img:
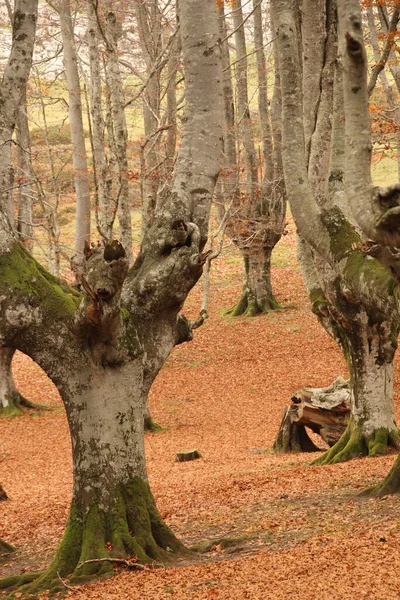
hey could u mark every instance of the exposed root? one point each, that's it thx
(390, 485)
(150, 425)
(249, 306)
(5, 549)
(354, 444)
(17, 405)
(16, 581)
(132, 534)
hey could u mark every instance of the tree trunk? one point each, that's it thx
(104, 348)
(12, 403)
(119, 132)
(105, 205)
(257, 296)
(113, 513)
(325, 411)
(24, 219)
(3, 495)
(372, 428)
(82, 231)
(5, 549)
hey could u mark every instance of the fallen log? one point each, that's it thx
(325, 411)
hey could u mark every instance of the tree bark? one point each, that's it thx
(25, 173)
(335, 260)
(325, 411)
(12, 403)
(81, 179)
(259, 217)
(103, 349)
(257, 295)
(105, 205)
(119, 132)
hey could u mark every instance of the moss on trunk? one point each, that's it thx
(17, 405)
(5, 548)
(131, 528)
(257, 295)
(354, 444)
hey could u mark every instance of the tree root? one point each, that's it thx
(390, 485)
(18, 405)
(16, 581)
(150, 425)
(131, 534)
(5, 549)
(354, 444)
(249, 306)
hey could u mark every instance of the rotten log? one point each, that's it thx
(325, 411)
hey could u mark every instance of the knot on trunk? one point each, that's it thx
(168, 266)
(104, 272)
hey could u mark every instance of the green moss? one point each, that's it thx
(342, 234)
(17, 580)
(20, 405)
(150, 425)
(133, 527)
(318, 300)
(5, 547)
(130, 340)
(20, 272)
(354, 443)
(366, 273)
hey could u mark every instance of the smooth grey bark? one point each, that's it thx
(12, 88)
(102, 349)
(24, 174)
(148, 18)
(104, 202)
(81, 178)
(394, 108)
(118, 130)
(376, 210)
(12, 403)
(258, 221)
(350, 285)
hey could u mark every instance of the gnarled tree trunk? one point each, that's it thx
(104, 348)
(352, 284)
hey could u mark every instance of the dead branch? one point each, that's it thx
(129, 564)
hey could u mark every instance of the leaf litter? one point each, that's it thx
(264, 526)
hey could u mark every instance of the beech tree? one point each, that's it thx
(352, 282)
(12, 92)
(259, 204)
(102, 349)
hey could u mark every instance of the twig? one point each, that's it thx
(247, 17)
(65, 584)
(129, 564)
(208, 257)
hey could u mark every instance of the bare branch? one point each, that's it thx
(386, 50)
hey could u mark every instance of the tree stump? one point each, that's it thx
(187, 455)
(326, 411)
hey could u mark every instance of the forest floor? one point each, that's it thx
(278, 528)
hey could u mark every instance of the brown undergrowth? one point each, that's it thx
(266, 526)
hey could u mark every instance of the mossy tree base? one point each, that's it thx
(150, 425)
(249, 306)
(18, 405)
(390, 485)
(133, 528)
(5, 549)
(354, 444)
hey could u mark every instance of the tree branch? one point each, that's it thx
(390, 38)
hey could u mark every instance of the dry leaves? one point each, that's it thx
(276, 528)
